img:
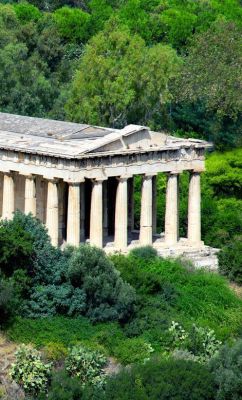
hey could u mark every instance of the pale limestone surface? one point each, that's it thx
(78, 180)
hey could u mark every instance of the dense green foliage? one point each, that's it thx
(227, 371)
(180, 380)
(170, 64)
(63, 387)
(166, 291)
(204, 309)
(74, 282)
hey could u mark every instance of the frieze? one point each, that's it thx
(114, 160)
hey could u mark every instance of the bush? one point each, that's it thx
(227, 372)
(55, 351)
(16, 247)
(134, 270)
(63, 387)
(108, 297)
(230, 260)
(87, 365)
(160, 379)
(144, 252)
(12, 291)
(29, 371)
(199, 342)
(8, 301)
(51, 300)
(133, 350)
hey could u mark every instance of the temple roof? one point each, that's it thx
(72, 140)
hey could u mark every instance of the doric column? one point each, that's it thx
(8, 196)
(194, 208)
(96, 217)
(145, 237)
(73, 214)
(121, 215)
(154, 204)
(171, 216)
(30, 195)
(131, 204)
(52, 217)
(105, 208)
(82, 222)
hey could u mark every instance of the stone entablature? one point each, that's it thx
(78, 180)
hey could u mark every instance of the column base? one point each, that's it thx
(192, 243)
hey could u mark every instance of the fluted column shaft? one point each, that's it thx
(105, 208)
(52, 212)
(30, 195)
(121, 215)
(171, 215)
(96, 217)
(145, 237)
(73, 214)
(194, 208)
(131, 204)
(154, 204)
(8, 196)
(82, 217)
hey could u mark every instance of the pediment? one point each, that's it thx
(131, 137)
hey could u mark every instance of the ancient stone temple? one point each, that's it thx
(79, 180)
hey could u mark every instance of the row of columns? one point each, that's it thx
(98, 220)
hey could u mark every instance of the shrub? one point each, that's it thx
(199, 342)
(87, 365)
(230, 260)
(12, 291)
(108, 297)
(227, 372)
(160, 379)
(63, 387)
(16, 246)
(29, 371)
(50, 300)
(133, 350)
(55, 351)
(134, 271)
(144, 252)
(49, 263)
(8, 301)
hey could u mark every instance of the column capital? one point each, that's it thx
(149, 176)
(27, 175)
(174, 172)
(74, 184)
(99, 180)
(52, 180)
(123, 177)
(197, 170)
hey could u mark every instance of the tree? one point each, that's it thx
(72, 23)
(212, 76)
(120, 80)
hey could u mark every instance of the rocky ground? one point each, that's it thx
(8, 389)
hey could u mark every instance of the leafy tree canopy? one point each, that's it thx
(120, 80)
